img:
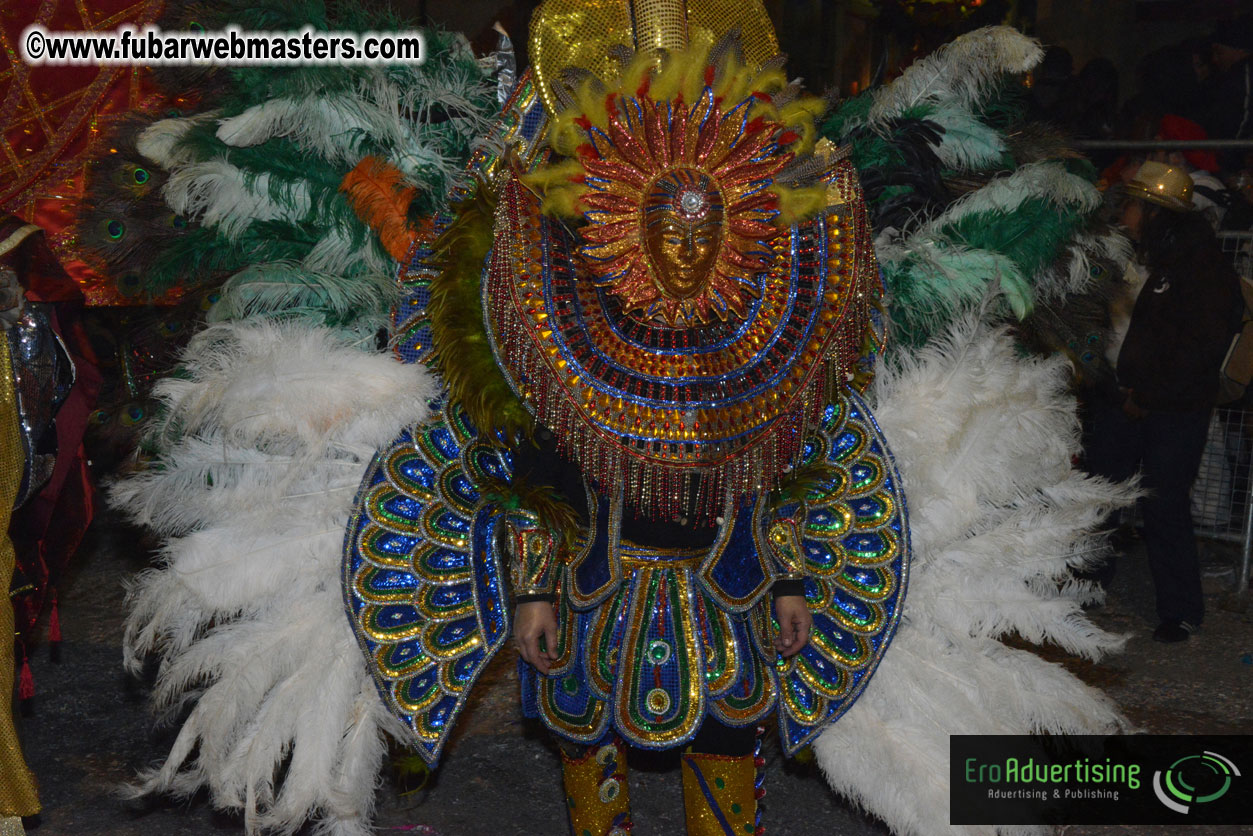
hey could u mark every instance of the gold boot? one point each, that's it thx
(720, 794)
(597, 798)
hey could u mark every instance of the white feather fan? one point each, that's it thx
(267, 436)
(998, 517)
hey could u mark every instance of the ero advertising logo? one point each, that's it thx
(1093, 779)
(1194, 779)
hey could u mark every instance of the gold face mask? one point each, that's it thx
(683, 219)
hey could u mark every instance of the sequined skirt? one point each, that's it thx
(662, 653)
(652, 661)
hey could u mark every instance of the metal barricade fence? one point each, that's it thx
(1222, 507)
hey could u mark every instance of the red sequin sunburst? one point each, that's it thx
(680, 209)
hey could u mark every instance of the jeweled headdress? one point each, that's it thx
(675, 287)
(676, 171)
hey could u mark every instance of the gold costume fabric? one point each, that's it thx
(598, 799)
(18, 796)
(559, 34)
(720, 794)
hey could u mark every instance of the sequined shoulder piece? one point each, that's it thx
(855, 548)
(422, 577)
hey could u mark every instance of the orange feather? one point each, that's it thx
(381, 199)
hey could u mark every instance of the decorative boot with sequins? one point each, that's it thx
(598, 800)
(720, 794)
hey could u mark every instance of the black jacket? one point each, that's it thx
(1181, 327)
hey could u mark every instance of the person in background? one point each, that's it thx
(1167, 360)
(1052, 86)
(1228, 109)
(1095, 106)
(1209, 194)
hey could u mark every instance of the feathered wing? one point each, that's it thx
(264, 439)
(966, 201)
(979, 233)
(277, 408)
(998, 519)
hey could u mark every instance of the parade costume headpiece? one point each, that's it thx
(677, 172)
(688, 331)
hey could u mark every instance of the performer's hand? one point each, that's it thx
(795, 620)
(533, 621)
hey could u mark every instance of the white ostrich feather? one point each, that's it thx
(220, 195)
(966, 143)
(968, 274)
(1046, 180)
(330, 126)
(159, 141)
(1075, 276)
(935, 255)
(958, 73)
(983, 439)
(336, 253)
(268, 435)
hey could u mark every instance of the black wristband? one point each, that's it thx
(788, 586)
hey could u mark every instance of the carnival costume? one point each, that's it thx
(36, 374)
(653, 305)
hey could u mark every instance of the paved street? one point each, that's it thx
(89, 727)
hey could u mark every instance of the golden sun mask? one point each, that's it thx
(683, 216)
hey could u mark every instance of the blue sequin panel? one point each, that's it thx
(444, 441)
(569, 692)
(443, 711)
(403, 506)
(531, 123)
(451, 521)
(592, 575)
(851, 648)
(821, 556)
(391, 581)
(451, 635)
(396, 617)
(418, 471)
(488, 461)
(846, 443)
(445, 560)
(466, 668)
(449, 597)
(738, 573)
(402, 659)
(419, 689)
(428, 620)
(857, 606)
(397, 544)
(867, 545)
(487, 578)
